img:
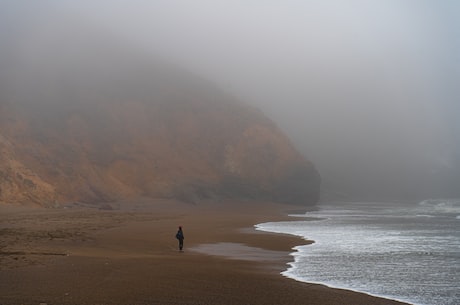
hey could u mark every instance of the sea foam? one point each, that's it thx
(408, 252)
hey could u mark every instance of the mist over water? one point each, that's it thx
(368, 90)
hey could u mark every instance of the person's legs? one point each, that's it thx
(181, 244)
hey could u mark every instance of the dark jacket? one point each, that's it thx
(180, 235)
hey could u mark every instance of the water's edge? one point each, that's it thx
(286, 273)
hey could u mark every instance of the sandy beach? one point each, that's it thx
(128, 255)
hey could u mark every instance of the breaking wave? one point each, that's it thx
(440, 207)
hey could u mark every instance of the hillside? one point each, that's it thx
(183, 142)
(85, 119)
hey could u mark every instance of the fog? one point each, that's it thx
(367, 90)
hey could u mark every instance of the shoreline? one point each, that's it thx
(130, 257)
(298, 279)
(344, 288)
(287, 274)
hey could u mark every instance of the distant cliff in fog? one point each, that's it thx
(114, 128)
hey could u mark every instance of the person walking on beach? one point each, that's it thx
(180, 237)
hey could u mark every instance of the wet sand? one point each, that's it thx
(83, 255)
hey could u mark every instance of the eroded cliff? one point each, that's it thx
(88, 121)
(191, 150)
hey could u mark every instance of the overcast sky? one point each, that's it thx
(365, 88)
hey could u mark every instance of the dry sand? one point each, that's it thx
(130, 256)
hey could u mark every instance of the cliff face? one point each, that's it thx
(91, 122)
(190, 149)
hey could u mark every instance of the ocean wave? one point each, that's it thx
(439, 206)
(424, 215)
(379, 254)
